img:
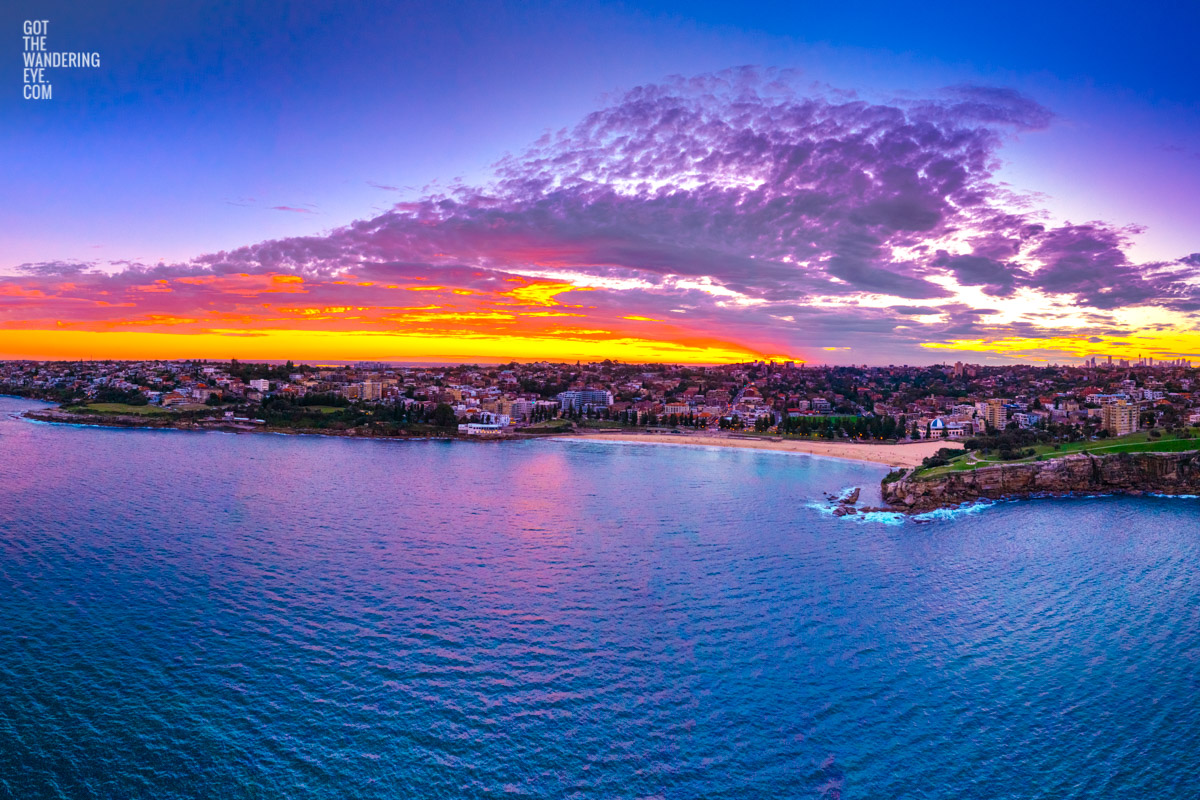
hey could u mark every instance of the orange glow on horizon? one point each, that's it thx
(241, 315)
(307, 345)
(1167, 344)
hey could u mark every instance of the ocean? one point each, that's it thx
(252, 616)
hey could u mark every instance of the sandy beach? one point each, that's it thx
(893, 455)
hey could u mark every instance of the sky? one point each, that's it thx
(701, 182)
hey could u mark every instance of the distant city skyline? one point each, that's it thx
(483, 183)
(1094, 362)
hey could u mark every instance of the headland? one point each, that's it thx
(1133, 465)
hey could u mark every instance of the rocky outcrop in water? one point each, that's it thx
(845, 502)
(1120, 473)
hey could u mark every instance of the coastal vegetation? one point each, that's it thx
(312, 414)
(1015, 447)
(331, 412)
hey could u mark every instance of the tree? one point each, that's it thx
(443, 416)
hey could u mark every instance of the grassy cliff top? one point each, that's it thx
(118, 408)
(1140, 442)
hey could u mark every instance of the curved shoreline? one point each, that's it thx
(891, 455)
(1175, 474)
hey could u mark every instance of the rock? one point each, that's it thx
(1120, 473)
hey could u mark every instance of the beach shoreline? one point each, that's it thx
(906, 455)
(891, 455)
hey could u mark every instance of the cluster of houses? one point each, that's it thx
(939, 401)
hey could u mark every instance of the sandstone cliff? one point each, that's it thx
(1126, 473)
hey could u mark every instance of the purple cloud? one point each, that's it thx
(735, 180)
(55, 269)
(757, 211)
(996, 278)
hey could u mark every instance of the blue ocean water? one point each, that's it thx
(214, 615)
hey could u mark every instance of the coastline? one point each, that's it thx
(891, 455)
(1175, 473)
(53, 416)
(1159, 474)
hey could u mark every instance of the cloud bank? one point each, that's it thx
(709, 218)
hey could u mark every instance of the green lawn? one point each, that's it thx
(322, 409)
(552, 425)
(120, 408)
(1139, 442)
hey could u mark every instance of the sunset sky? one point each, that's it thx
(835, 183)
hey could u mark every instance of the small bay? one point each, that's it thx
(217, 615)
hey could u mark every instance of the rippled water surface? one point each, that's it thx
(210, 615)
